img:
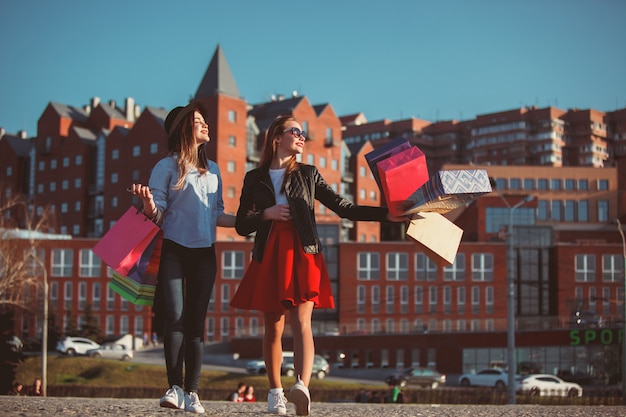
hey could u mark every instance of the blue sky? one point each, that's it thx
(436, 60)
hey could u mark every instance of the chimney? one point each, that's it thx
(2, 132)
(137, 111)
(112, 104)
(95, 101)
(22, 134)
(130, 109)
(87, 109)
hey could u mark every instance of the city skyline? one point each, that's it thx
(393, 60)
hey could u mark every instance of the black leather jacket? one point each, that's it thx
(303, 187)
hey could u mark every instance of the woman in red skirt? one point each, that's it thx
(287, 273)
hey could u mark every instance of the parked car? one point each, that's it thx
(76, 345)
(545, 384)
(417, 376)
(321, 367)
(492, 377)
(111, 351)
(257, 366)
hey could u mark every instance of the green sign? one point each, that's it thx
(595, 337)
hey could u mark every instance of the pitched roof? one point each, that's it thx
(74, 113)
(21, 146)
(218, 78)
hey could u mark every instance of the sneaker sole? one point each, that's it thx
(167, 404)
(301, 401)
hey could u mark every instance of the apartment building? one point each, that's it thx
(567, 251)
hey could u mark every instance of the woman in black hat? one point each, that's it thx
(184, 196)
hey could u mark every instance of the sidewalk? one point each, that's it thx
(96, 407)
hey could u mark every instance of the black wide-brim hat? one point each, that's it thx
(178, 114)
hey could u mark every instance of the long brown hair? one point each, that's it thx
(269, 147)
(182, 141)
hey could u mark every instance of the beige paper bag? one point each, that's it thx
(436, 236)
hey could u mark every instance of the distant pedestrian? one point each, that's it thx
(36, 390)
(237, 396)
(362, 396)
(248, 395)
(16, 389)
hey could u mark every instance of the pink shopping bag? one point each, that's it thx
(401, 175)
(121, 247)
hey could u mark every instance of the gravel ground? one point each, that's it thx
(95, 407)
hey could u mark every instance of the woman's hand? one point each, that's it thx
(279, 212)
(143, 192)
(397, 219)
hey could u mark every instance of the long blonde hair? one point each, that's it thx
(181, 141)
(270, 145)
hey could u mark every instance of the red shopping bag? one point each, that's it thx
(121, 247)
(382, 152)
(401, 175)
(139, 286)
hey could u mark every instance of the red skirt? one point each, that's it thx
(286, 277)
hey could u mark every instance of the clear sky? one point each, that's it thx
(436, 60)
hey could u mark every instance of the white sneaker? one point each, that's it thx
(173, 398)
(276, 402)
(300, 396)
(192, 403)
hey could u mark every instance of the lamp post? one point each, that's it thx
(621, 232)
(510, 319)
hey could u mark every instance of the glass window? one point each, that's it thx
(368, 266)
(568, 210)
(585, 265)
(603, 211)
(62, 260)
(583, 185)
(425, 268)
(375, 299)
(390, 299)
(529, 183)
(542, 184)
(570, 184)
(603, 185)
(542, 210)
(233, 264)
(515, 184)
(555, 184)
(612, 268)
(555, 210)
(136, 150)
(232, 116)
(482, 267)
(583, 211)
(360, 299)
(456, 271)
(397, 266)
(90, 263)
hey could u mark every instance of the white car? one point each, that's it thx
(76, 345)
(111, 351)
(492, 377)
(549, 385)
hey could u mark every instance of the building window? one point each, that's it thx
(360, 299)
(425, 268)
(456, 271)
(230, 191)
(95, 297)
(585, 268)
(555, 210)
(322, 162)
(570, 184)
(232, 116)
(114, 178)
(583, 211)
(583, 185)
(89, 264)
(404, 299)
(555, 184)
(375, 299)
(475, 300)
(603, 211)
(489, 295)
(115, 154)
(432, 299)
(233, 264)
(110, 298)
(603, 185)
(612, 268)
(447, 299)
(368, 266)
(231, 166)
(78, 160)
(389, 299)
(419, 300)
(529, 183)
(136, 150)
(514, 183)
(482, 267)
(542, 184)
(460, 300)
(542, 210)
(82, 295)
(362, 172)
(62, 260)
(67, 296)
(569, 214)
(232, 141)
(225, 296)
(154, 148)
(78, 182)
(397, 266)
(310, 159)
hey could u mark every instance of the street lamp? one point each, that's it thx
(621, 232)
(510, 319)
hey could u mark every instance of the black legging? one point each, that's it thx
(186, 278)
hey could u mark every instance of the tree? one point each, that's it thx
(21, 263)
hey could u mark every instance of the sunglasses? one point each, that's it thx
(295, 132)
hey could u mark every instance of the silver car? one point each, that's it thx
(111, 351)
(76, 345)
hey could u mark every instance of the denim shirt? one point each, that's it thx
(187, 216)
